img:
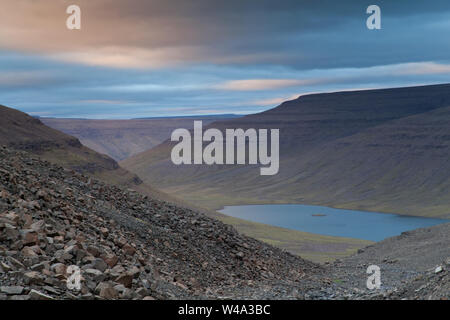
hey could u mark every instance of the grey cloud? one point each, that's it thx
(302, 34)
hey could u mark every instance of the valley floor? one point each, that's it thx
(314, 247)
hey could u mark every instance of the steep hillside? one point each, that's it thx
(374, 150)
(23, 132)
(127, 245)
(121, 139)
(401, 166)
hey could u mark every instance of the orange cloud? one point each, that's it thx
(128, 57)
(131, 34)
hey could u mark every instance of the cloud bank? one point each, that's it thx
(158, 57)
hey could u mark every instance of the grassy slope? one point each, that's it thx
(313, 247)
(412, 151)
(378, 150)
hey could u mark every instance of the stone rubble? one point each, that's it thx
(126, 245)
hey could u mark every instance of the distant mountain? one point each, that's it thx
(121, 139)
(199, 117)
(381, 150)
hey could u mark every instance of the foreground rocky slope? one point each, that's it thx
(127, 245)
(413, 265)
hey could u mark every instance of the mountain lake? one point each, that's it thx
(330, 221)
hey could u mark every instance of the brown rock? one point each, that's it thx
(33, 277)
(94, 251)
(27, 220)
(125, 279)
(38, 226)
(41, 194)
(28, 252)
(121, 242)
(104, 232)
(30, 237)
(4, 194)
(10, 232)
(12, 217)
(59, 268)
(110, 259)
(134, 272)
(128, 250)
(58, 239)
(108, 292)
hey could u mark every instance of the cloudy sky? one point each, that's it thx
(140, 58)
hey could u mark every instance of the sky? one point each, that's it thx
(152, 58)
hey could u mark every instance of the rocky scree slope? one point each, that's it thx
(127, 245)
(413, 265)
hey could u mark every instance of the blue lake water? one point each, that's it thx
(334, 222)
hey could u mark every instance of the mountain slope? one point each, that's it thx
(401, 166)
(345, 149)
(23, 132)
(127, 245)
